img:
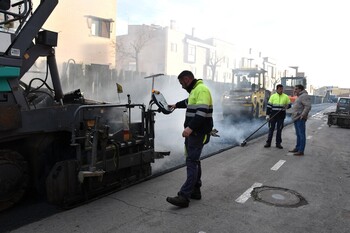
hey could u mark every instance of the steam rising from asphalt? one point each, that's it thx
(168, 138)
(168, 128)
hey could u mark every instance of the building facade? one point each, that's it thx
(152, 49)
(86, 31)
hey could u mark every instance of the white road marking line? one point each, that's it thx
(322, 125)
(309, 137)
(246, 195)
(319, 128)
(278, 165)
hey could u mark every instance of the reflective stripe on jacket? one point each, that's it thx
(277, 104)
(199, 112)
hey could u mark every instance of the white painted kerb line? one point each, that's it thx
(246, 195)
(278, 165)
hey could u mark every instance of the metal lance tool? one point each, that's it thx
(245, 140)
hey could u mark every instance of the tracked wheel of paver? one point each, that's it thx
(14, 178)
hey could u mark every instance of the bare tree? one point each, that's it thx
(274, 81)
(213, 63)
(130, 46)
(122, 54)
(142, 37)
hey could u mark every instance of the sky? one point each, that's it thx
(313, 35)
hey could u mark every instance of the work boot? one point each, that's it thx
(196, 194)
(279, 146)
(299, 153)
(293, 151)
(267, 145)
(179, 201)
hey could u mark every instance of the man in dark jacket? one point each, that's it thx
(197, 127)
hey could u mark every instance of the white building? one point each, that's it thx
(155, 49)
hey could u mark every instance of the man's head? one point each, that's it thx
(185, 78)
(279, 89)
(298, 88)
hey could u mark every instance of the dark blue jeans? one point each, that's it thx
(193, 149)
(299, 126)
(272, 124)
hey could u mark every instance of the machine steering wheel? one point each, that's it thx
(160, 101)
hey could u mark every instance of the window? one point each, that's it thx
(173, 47)
(191, 54)
(344, 101)
(99, 27)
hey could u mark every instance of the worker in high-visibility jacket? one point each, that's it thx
(275, 115)
(197, 127)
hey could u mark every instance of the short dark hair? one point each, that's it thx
(278, 86)
(300, 87)
(186, 73)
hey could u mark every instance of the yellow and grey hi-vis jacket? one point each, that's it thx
(278, 103)
(199, 112)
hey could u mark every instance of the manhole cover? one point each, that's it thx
(278, 196)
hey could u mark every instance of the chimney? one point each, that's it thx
(193, 32)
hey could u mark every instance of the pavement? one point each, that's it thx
(307, 193)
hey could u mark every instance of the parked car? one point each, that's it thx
(343, 105)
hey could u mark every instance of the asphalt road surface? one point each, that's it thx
(290, 193)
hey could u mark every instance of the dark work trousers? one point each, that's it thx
(280, 124)
(193, 149)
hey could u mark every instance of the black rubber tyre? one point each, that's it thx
(14, 178)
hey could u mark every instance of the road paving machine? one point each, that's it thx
(63, 147)
(248, 96)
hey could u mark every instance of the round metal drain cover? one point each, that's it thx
(278, 196)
